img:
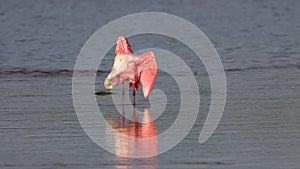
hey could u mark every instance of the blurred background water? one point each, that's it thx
(258, 43)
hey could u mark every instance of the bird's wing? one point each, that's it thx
(147, 68)
(123, 46)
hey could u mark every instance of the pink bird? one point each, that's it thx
(135, 69)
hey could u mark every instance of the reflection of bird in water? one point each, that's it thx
(137, 138)
(136, 69)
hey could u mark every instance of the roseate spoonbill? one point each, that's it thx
(135, 69)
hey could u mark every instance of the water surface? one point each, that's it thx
(258, 43)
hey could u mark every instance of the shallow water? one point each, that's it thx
(258, 43)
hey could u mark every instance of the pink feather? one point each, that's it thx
(142, 70)
(123, 46)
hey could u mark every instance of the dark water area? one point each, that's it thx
(258, 43)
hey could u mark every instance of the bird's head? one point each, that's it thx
(121, 62)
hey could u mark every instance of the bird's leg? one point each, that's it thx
(123, 117)
(123, 94)
(134, 119)
(123, 90)
(133, 97)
